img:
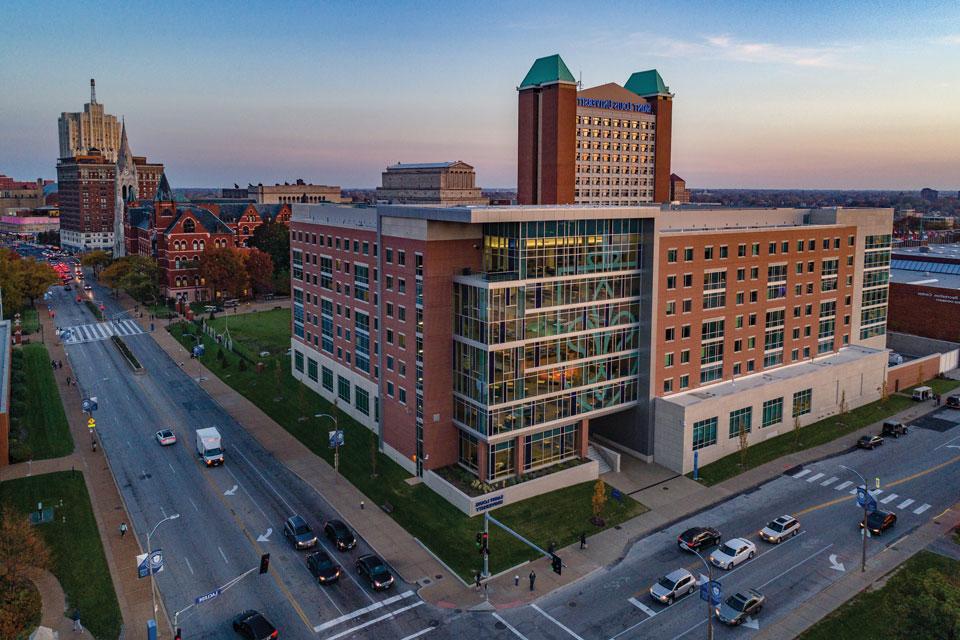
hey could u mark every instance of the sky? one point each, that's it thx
(844, 95)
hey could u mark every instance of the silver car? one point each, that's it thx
(673, 586)
(740, 606)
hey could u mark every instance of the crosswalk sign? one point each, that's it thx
(91, 423)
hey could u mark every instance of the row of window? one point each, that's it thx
(740, 420)
(723, 251)
(345, 391)
(615, 122)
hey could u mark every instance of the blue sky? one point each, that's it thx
(768, 94)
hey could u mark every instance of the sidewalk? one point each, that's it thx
(854, 581)
(54, 604)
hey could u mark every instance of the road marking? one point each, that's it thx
(921, 509)
(852, 492)
(843, 485)
(188, 565)
(906, 503)
(889, 498)
(419, 633)
(171, 468)
(555, 621)
(267, 482)
(947, 443)
(829, 481)
(639, 605)
(385, 616)
(875, 492)
(194, 504)
(815, 477)
(510, 626)
(361, 611)
(801, 474)
(222, 555)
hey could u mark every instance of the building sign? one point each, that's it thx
(489, 503)
(597, 103)
(940, 297)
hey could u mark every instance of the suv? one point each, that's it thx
(298, 532)
(780, 529)
(252, 625)
(697, 538)
(869, 442)
(372, 568)
(340, 535)
(953, 402)
(895, 429)
(673, 586)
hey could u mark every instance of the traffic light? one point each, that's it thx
(556, 563)
(179, 635)
(483, 543)
(479, 540)
(264, 563)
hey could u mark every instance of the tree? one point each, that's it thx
(274, 239)
(21, 548)
(933, 608)
(259, 266)
(49, 237)
(37, 278)
(96, 260)
(796, 429)
(744, 445)
(281, 282)
(224, 272)
(11, 281)
(598, 501)
(137, 275)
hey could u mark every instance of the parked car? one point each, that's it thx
(252, 625)
(166, 437)
(673, 586)
(298, 532)
(869, 442)
(733, 552)
(323, 568)
(894, 429)
(340, 535)
(780, 529)
(880, 521)
(698, 538)
(953, 402)
(741, 605)
(373, 569)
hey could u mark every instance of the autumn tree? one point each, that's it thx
(273, 238)
(598, 501)
(96, 260)
(11, 281)
(259, 267)
(224, 272)
(21, 548)
(37, 278)
(137, 275)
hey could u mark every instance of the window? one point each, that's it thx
(684, 381)
(687, 280)
(671, 255)
(326, 378)
(741, 250)
(704, 433)
(668, 385)
(402, 395)
(361, 397)
(688, 254)
(687, 305)
(772, 412)
(685, 331)
(741, 274)
(802, 400)
(298, 361)
(708, 253)
(401, 285)
(723, 251)
(670, 334)
(550, 446)
(668, 359)
(671, 282)
(401, 257)
(343, 389)
(312, 369)
(685, 356)
(671, 308)
(740, 419)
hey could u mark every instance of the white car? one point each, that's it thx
(673, 586)
(733, 552)
(780, 529)
(166, 437)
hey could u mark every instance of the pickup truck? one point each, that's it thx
(209, 447)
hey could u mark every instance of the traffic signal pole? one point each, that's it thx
(487, 518)
(486, 549)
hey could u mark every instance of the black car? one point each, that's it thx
(373, 569)
(698, 538)
(869, 442)
(738, 607)
(894, 429)
(323, 568)
(298, 532)
(251, 624)
(953, 402)
(340, 535)
(880, 521)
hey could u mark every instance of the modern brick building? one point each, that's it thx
(925, 292)
(678, 190)
(498, 341)
(606, 145)
(448, 184)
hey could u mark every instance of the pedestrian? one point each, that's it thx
(68, 381)
(516, 580)
(76, 621)
(583, 540)
(93, 443)
(533, 578)
(477, 579)
(551, 547)
(123, 529)
(361, 505)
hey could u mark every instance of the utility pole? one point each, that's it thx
(709, 593)
(486, 548)
(153, 582)
(866, 502)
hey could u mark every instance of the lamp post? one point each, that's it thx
(709, 594)
(153, 584)
(336, 428)
(866, 500)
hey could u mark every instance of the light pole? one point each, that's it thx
(153, 584)
(866, 501)
(336, 428)
(709, 593)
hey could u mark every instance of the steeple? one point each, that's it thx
(124, 155)
(93, 91)
(164, 192)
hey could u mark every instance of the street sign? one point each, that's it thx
(711, 590)
(865, 499)
(91, 423)
(207, 596)
(336, 438)
(156, 561)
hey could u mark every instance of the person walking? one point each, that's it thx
(583, 540)
(533, 578)
(516, 580)
(123, 529)
(76, 621)
(477, 580)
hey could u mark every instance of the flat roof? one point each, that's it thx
(478, 214)
(951, 250)
(926, 279)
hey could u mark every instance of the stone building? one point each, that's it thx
(92, 128)
(449, 184)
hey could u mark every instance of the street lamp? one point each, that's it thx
(336, 428)
(866, 501)
(709, 593)
(153, 584)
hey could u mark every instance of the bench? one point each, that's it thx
(387, 507)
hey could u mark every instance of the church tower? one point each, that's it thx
(126, 191)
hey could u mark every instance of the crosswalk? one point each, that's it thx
(887, 498)
(81, 333)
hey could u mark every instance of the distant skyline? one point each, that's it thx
(814, 95)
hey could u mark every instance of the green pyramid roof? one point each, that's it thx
(647, 83)
(546, 71)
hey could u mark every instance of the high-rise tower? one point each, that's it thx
(89, 131)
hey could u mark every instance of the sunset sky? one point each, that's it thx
(768, 94)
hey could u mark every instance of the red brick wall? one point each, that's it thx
(546, 143)
(912, 373)
(527, 147)
(920, 310)
(663, 108)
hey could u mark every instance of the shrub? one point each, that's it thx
(242, 365)
(20, 451)
(18, 407)
(18, 377)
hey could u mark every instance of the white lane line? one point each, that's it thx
(906, 503)
(947, 443)
(188, 565)
(555, 621)
(419, 633)
(385, 616)
(639, 605)
(255, 503)
(222, 555)
(510, 626)
(829, 481)
(801, 474)
(889, 498)
(163, 512)
(361, 611)
(815, 477)
(171, 468)
(194, 504)
(852, 492)
(267, 482)
(876, 492)
(807, 559)
(843, 485)
(921, 509)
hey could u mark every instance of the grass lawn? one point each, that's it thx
(812, 435)
(29, 321)
(257, 331)
(559, 516)
(44, 420)
(943, 386)
(78, 559)
(868, 615)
